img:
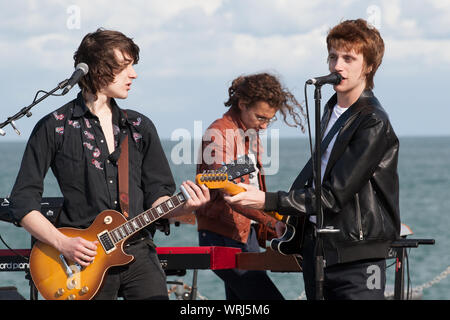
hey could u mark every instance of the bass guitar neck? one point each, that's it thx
(220, 181)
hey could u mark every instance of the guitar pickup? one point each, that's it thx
(106, 241)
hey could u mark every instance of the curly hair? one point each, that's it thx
(265, 87)
(362, 37)
(97, 51)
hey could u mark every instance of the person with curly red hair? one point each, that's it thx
(254, 100)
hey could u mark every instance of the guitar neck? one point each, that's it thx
(220, 181)
(232, 189)
(144, 219)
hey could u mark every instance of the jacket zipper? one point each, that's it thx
(358, 217)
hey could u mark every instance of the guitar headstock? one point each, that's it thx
(240, 167)
(222, 177)
(218, 180)
(213, 180)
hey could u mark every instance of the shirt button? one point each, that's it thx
(110, 181)
(107, 161)
(102, 141)
(115, 202)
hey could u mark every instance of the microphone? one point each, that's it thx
(333, 78)
(81, 70)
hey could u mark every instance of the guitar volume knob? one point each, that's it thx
(84, 290)
(59, 292)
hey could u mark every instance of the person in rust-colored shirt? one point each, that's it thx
(254, 101)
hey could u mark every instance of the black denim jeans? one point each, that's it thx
(142, 279)
(357, 280)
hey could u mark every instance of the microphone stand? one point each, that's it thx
(317, 164)
(318, 251)
(26, 110)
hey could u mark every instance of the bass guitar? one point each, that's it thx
(290, 242)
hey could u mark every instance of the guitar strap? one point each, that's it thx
(123, 177)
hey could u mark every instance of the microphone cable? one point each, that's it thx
(309, 128)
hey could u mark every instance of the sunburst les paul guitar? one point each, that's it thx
(58, 278)
(290, 242)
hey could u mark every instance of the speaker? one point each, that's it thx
(50, 208)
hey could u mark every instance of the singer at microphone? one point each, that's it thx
(358, 197)
(80, 71)
(333, 78)
(81, 141)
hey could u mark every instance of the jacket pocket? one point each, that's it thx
(358, 217)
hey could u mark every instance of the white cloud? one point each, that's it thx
(391, 15)
(188, 40)
(418, 53)
(189, 34)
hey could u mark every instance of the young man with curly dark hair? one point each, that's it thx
(82, 142)
(254, 101)
(360, 187)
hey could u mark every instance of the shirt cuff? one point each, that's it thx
(271, 201)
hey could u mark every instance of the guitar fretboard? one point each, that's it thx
(145, 218)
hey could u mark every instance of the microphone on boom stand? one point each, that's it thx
(333, 78)
(81, 70)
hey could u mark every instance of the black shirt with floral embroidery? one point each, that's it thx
(71, 142)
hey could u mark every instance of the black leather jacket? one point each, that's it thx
(360, 188)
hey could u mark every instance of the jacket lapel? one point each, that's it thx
(344, 135)
(327, 115)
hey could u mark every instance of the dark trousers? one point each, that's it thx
(242, 284)
(358, 280)
(142, 279)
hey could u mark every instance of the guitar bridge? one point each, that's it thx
(106, 241)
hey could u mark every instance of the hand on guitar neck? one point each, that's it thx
(239, 194)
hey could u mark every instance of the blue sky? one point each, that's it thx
(191, 50)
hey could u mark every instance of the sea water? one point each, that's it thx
(424, 172)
